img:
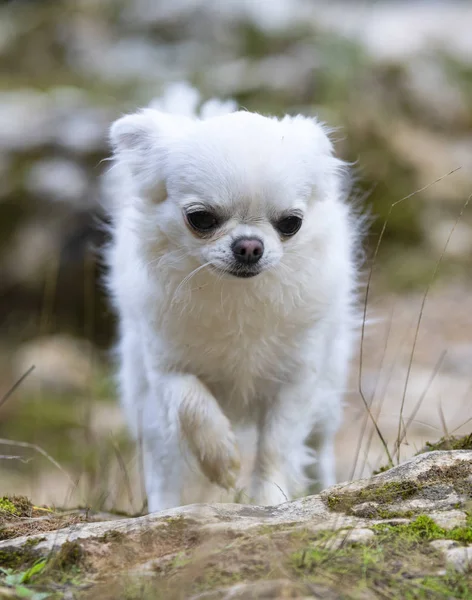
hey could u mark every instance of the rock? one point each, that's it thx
(443, 545)
(233, 551)
(459, 559)
(450, 519)
(428, 482)
(350, 537)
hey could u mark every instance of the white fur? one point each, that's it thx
(202, 352)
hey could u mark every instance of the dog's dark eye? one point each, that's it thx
(289, 225)
(202, 220)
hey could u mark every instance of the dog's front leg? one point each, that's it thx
(180, 411)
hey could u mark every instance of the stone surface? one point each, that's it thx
(426, 483)
(350, 537)
(234, 551)
(459, 559)
(443, 545)
(449, 519)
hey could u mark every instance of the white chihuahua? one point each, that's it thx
(232, 270)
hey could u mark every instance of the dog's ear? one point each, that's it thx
(141, 143)
(310, 141)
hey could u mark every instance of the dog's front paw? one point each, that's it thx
(221, 462)
(213, 443)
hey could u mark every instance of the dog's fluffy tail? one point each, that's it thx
(182, 99)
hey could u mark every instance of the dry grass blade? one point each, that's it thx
(383, 395)
(443, 422)
(420, 317)
(372, 398)
(462, 425)
(11, 457)
(124, 470)
(16, 385)
(416, 408)
(369, 280)
(361, 356)
(37, 448)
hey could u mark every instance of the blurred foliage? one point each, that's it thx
(65, 48)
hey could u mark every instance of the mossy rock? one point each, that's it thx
(449, 443)
(438, 476)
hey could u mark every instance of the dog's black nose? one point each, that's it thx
(247, 250)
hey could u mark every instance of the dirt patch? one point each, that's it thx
(18, 517)
(157, 546)
(31, 526)
(398, 562)
(218, 560)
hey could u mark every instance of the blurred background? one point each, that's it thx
(395, 80)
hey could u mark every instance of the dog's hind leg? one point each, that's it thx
(289, 454)
(278, 471)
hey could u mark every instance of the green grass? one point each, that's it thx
(424, 528)
(398, 563)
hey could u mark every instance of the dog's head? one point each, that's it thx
(236, 192)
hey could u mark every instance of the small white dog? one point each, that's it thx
(232, 270)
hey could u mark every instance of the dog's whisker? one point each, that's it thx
(187, 278)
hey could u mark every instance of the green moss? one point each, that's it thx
(449, 443)
(65, 568)
(7, 506)
(382, 497)
(61, 569)
(390, 492)
(18, 506)
(398, 563)
(31, 543)
(382, 469)
(70, 557)
(112, 536)
(18, 558)
(424, 528)
(385, 513)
